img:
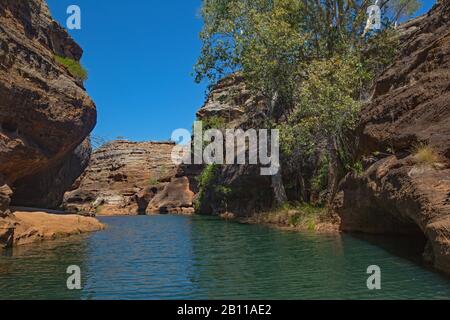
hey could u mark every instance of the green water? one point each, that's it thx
(172, 257)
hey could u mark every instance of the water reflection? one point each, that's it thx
(171, 257)
(38, 271)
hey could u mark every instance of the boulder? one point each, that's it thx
(175, 198)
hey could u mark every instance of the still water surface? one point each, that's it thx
(173, 257)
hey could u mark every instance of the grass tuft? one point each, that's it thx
(74, 67)
(426, 155)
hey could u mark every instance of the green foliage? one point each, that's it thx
(358, 168)
(310, 60)
(98, 209)
(327, 102)
(267, 38)
(320, 180)
(207, 181)
(74, 67)
(214, 122)
(153, 182)
(296, 215)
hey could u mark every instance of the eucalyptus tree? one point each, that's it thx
(274, 43)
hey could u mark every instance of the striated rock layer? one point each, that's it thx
(130, 178)
(399, 193)
(45, 112)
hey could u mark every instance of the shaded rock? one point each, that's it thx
(45, 112)
(46, 189)
(410, 105)
(251, 193)
(233, 102)
(144, 197)
(6, 233)
(5, 195)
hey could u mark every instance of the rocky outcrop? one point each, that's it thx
(46, 189)
(175, 198)
(124, 177)
(21, 228)
(400, 193)
(231, 101)
(45, 112)
(237, 108)
(5, 195)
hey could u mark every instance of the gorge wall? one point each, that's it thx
(45, 112)
(130, 178)
(404, 140)
(231, 105)
(45, 119)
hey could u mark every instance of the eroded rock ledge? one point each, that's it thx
(21, 228)
(131, 178)
(411, 106)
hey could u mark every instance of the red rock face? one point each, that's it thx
(411, 101)
(45, 113)
(46, 189)
(176, 198)
(124, 177)
(410, 106)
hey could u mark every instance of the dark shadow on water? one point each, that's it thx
(410, 248)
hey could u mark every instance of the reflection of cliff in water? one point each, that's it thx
(406, 247)
(241, 261)
(21, 273)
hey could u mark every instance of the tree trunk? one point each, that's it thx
(278, 188)
(333, 169)
(277, 179)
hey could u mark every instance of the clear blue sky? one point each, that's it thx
(140, 56)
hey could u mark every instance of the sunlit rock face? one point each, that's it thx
(123, 177)
(410, 107)
(45, 112)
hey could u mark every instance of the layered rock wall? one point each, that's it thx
(45, 112)
(404, 139)
(124, 177)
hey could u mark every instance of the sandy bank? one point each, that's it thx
(22, 228)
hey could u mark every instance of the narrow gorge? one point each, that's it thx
(54, 184)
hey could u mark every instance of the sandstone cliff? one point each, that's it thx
(45, 112)
(130, 178)
(46, 189)
(399, 192)
(232, 104)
